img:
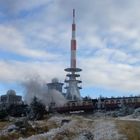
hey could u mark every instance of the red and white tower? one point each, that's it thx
(73, 43)
(72, 83)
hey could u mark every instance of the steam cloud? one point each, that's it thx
(37, 87)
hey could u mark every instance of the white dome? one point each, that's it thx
(55, 80)
(11, 92)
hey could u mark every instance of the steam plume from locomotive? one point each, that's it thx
(37, 87)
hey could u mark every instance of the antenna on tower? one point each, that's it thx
(73, 15)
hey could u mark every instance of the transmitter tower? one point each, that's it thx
(72, 81)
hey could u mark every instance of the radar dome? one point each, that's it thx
(55, 80)
(11, 92)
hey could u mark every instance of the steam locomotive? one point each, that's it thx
(90, 105)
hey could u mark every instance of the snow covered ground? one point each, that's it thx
(76, 127)
(106, 130)
(133, 117)
(129, 118)
(6, 129)
(80, 128)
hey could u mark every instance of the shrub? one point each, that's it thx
(3, 114)
(37, 109)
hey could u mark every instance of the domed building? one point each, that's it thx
(55, 84)
(10, 98)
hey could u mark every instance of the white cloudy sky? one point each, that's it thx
(35, 41)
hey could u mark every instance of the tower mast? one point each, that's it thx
(73, 43)
(72, 82)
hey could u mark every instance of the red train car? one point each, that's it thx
(114, 103)
(71, 106)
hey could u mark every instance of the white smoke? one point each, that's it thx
(57, 97)
(37, 87)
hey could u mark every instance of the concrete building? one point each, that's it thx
(10, 98)
(55, 84)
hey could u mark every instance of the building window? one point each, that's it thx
(84, 103)
(129, 100)
(124, 101)
(135, 100)
(118, 102)
(112, 101)
(73, 104)
(106, 102)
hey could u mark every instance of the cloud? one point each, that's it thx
(100, 72)
(116, 56)
(107, 37)
(14, 71)
(12, 40)
(14, 7)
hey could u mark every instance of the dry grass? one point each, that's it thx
(129, 128)
(3, 124)
(12, 136)
(42, 127)
(69, 132)
(65, 134)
